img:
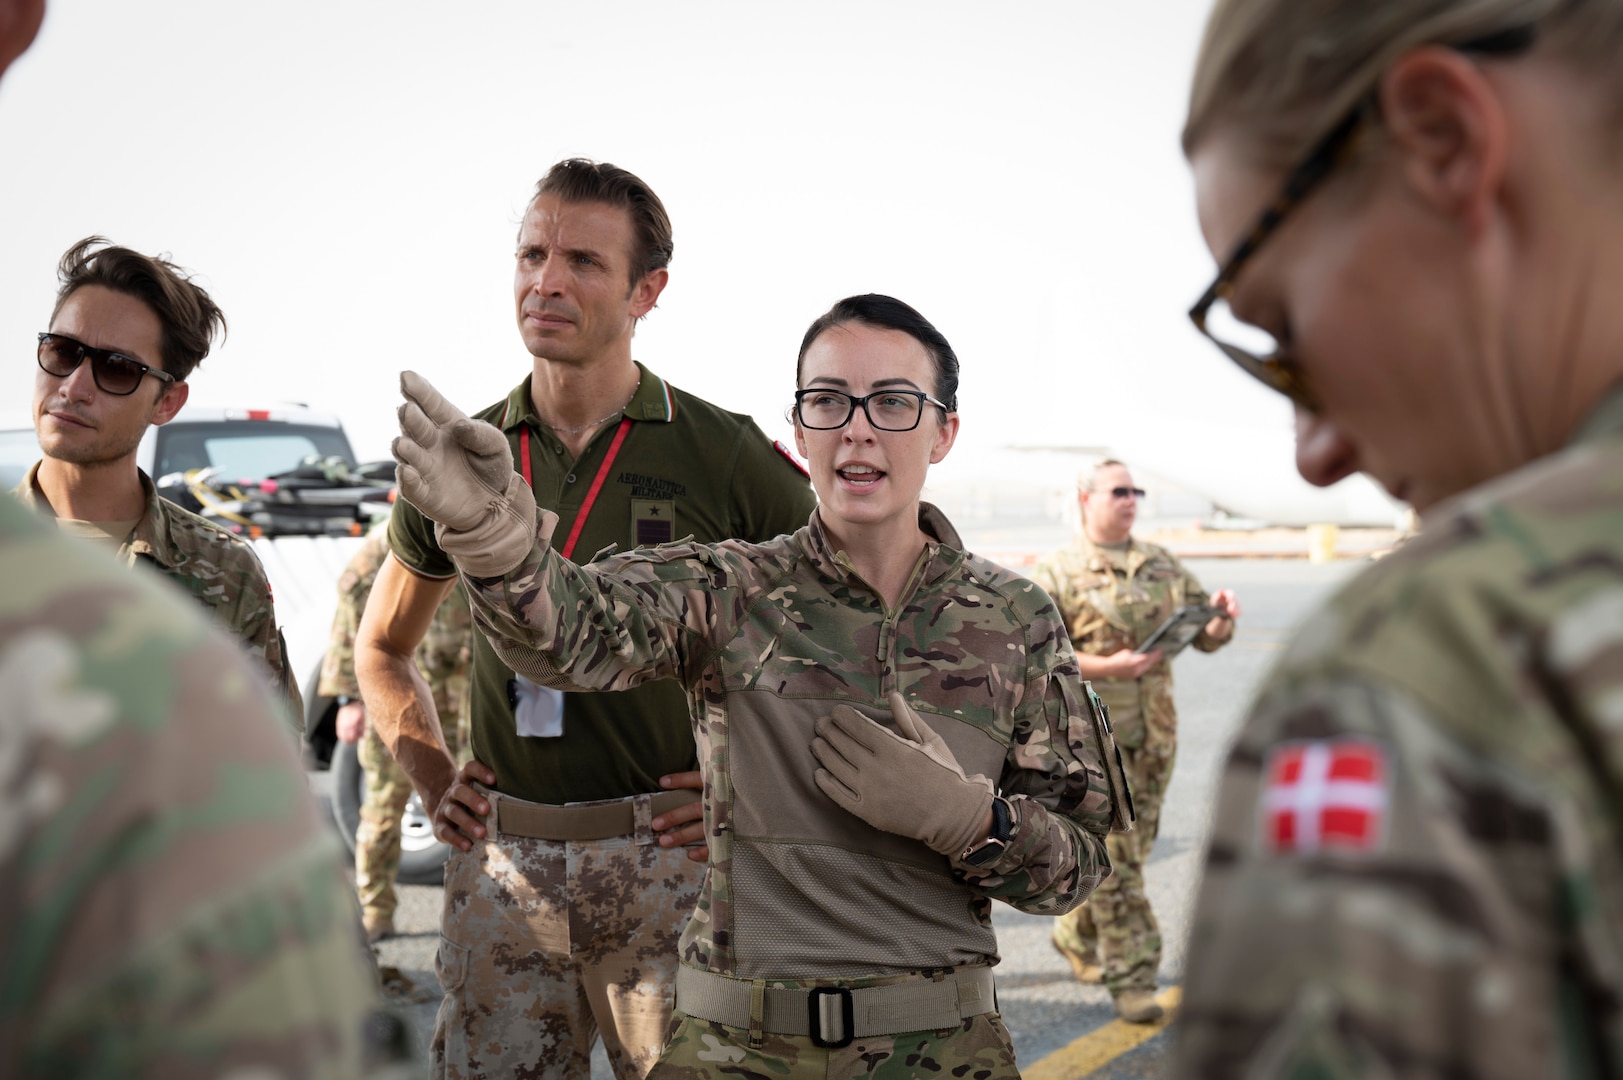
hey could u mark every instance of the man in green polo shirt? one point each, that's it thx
(569, 885)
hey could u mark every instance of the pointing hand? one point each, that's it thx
(459, 473)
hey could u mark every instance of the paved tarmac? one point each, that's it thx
(1046, 1011)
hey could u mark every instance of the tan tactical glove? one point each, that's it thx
(459, 473)
(908, 784)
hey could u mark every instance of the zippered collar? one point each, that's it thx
(943, 549)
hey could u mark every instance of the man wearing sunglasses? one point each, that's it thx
(127, 331)
(161, 917)
(1113, 592)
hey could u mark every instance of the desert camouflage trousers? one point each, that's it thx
(698, 1049)
(545, 945)
(1115, 926)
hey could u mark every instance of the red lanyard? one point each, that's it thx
(597, 482)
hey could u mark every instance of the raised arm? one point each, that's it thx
(605, 626)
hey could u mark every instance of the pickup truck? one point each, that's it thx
(286, 479)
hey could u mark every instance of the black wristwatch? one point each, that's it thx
(988, 851)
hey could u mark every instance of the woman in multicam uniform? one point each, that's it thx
(893, 732)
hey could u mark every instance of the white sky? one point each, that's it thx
(346, 179)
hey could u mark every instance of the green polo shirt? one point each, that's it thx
(686, 468)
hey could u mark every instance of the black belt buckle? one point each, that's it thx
(847, 1016)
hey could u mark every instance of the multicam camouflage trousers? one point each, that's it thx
(377, 838)
(544, 945)
(1115, 925)
(979, 1048)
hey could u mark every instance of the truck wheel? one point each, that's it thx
(422, 858)
(320, 724)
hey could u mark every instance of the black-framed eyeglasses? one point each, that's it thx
(1257, 352)
(821, 409)
(114, 372)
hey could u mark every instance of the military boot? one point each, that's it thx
(1138, 1007)
(1086, 969)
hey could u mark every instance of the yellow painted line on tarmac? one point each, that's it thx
(1103, 1045)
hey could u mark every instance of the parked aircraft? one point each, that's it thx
(1233, 478)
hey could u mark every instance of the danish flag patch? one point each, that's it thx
(1325, 795)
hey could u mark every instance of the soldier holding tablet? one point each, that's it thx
(1115, 592)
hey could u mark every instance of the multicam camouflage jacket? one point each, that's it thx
(1113, 601)
(1417, 860)
(170, 905)
(214, 567)
(444, 650)
(767, 639)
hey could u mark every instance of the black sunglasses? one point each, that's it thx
(1275, 369)
(1125, 492)
(114, 372)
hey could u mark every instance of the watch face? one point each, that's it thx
(992, 847)
(987, 851)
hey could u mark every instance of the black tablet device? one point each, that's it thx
(1183, 627)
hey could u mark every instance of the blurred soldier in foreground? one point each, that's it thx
(1416, 867)
(127, 331)
(170, 905)
(443, 660)
(1113, 591)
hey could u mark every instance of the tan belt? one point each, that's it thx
(597, 821)
(834, 1015)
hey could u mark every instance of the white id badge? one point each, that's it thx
(538, 709)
